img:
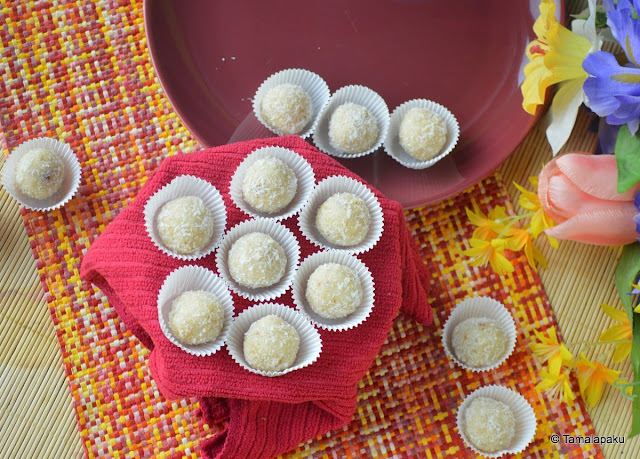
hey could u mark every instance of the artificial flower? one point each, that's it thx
(521, 238)
(536, 73)
(556, 384)
(635, 287)
(487, 227)
(621, 332)
(556, 56)
(492, 252)
(636, 219)
(613, 90)
(548, 349)
(578, 191)
(592, 377)
(540, 221)
(607, 137)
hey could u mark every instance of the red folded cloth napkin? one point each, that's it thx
(266, 416)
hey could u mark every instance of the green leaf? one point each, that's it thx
(627, 159)
(601, 18)
(627, 272)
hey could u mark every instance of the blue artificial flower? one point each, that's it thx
(607, 134)
(607, 137)
(624, 27)
(613, 90)
(636, 219)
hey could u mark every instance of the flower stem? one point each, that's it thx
(623, 385)
(512, 220)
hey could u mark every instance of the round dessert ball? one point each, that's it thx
(40, 173)
(478, 342)
(185, 225)
(269, 185)
(422, 133)
(343, 219)
(271, 344)
(353, 129)
(334, 291)
(489, 424)
(287, 108)
(256, 260)
(196, 317)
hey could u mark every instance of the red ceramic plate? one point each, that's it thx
(466, 54)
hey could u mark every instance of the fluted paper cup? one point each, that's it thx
(180, 187)
(309, 265)
(392, 142)
(356, 94)
(482, 308)
(324, 190)
(185, 279)
(282, 235)
(306, 180)
(70, 183)
(310, 341)
(525, 428)
(312, 83)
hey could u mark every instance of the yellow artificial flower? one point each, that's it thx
(487, 228)
(556, 56)
(557, 384)
(592, 377)
(548, 349)
(519, 238)
(491, 252)
(539, 221)
(499, 218)
(619, 332)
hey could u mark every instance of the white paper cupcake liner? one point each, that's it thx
(525, 428)
(185, 279)
(69, 185)
(310, 341)
(300, 167)
(282, 235)
(327, 188)
(309, 265)
(480, 307)
(360, 95)
(315, 86)
(179, 187)
(392, 142)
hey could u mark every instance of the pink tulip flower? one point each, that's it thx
(578, 191)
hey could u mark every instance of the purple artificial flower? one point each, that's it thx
(624, 28)
(607, 137)
(613, 90)
(636, 219)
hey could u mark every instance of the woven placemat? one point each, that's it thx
(80, 72)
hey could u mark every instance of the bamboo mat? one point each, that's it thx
(34, 399)
(34, 396)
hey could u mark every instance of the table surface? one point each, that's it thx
(35, 402)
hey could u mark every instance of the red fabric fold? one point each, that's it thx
(265, 416)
